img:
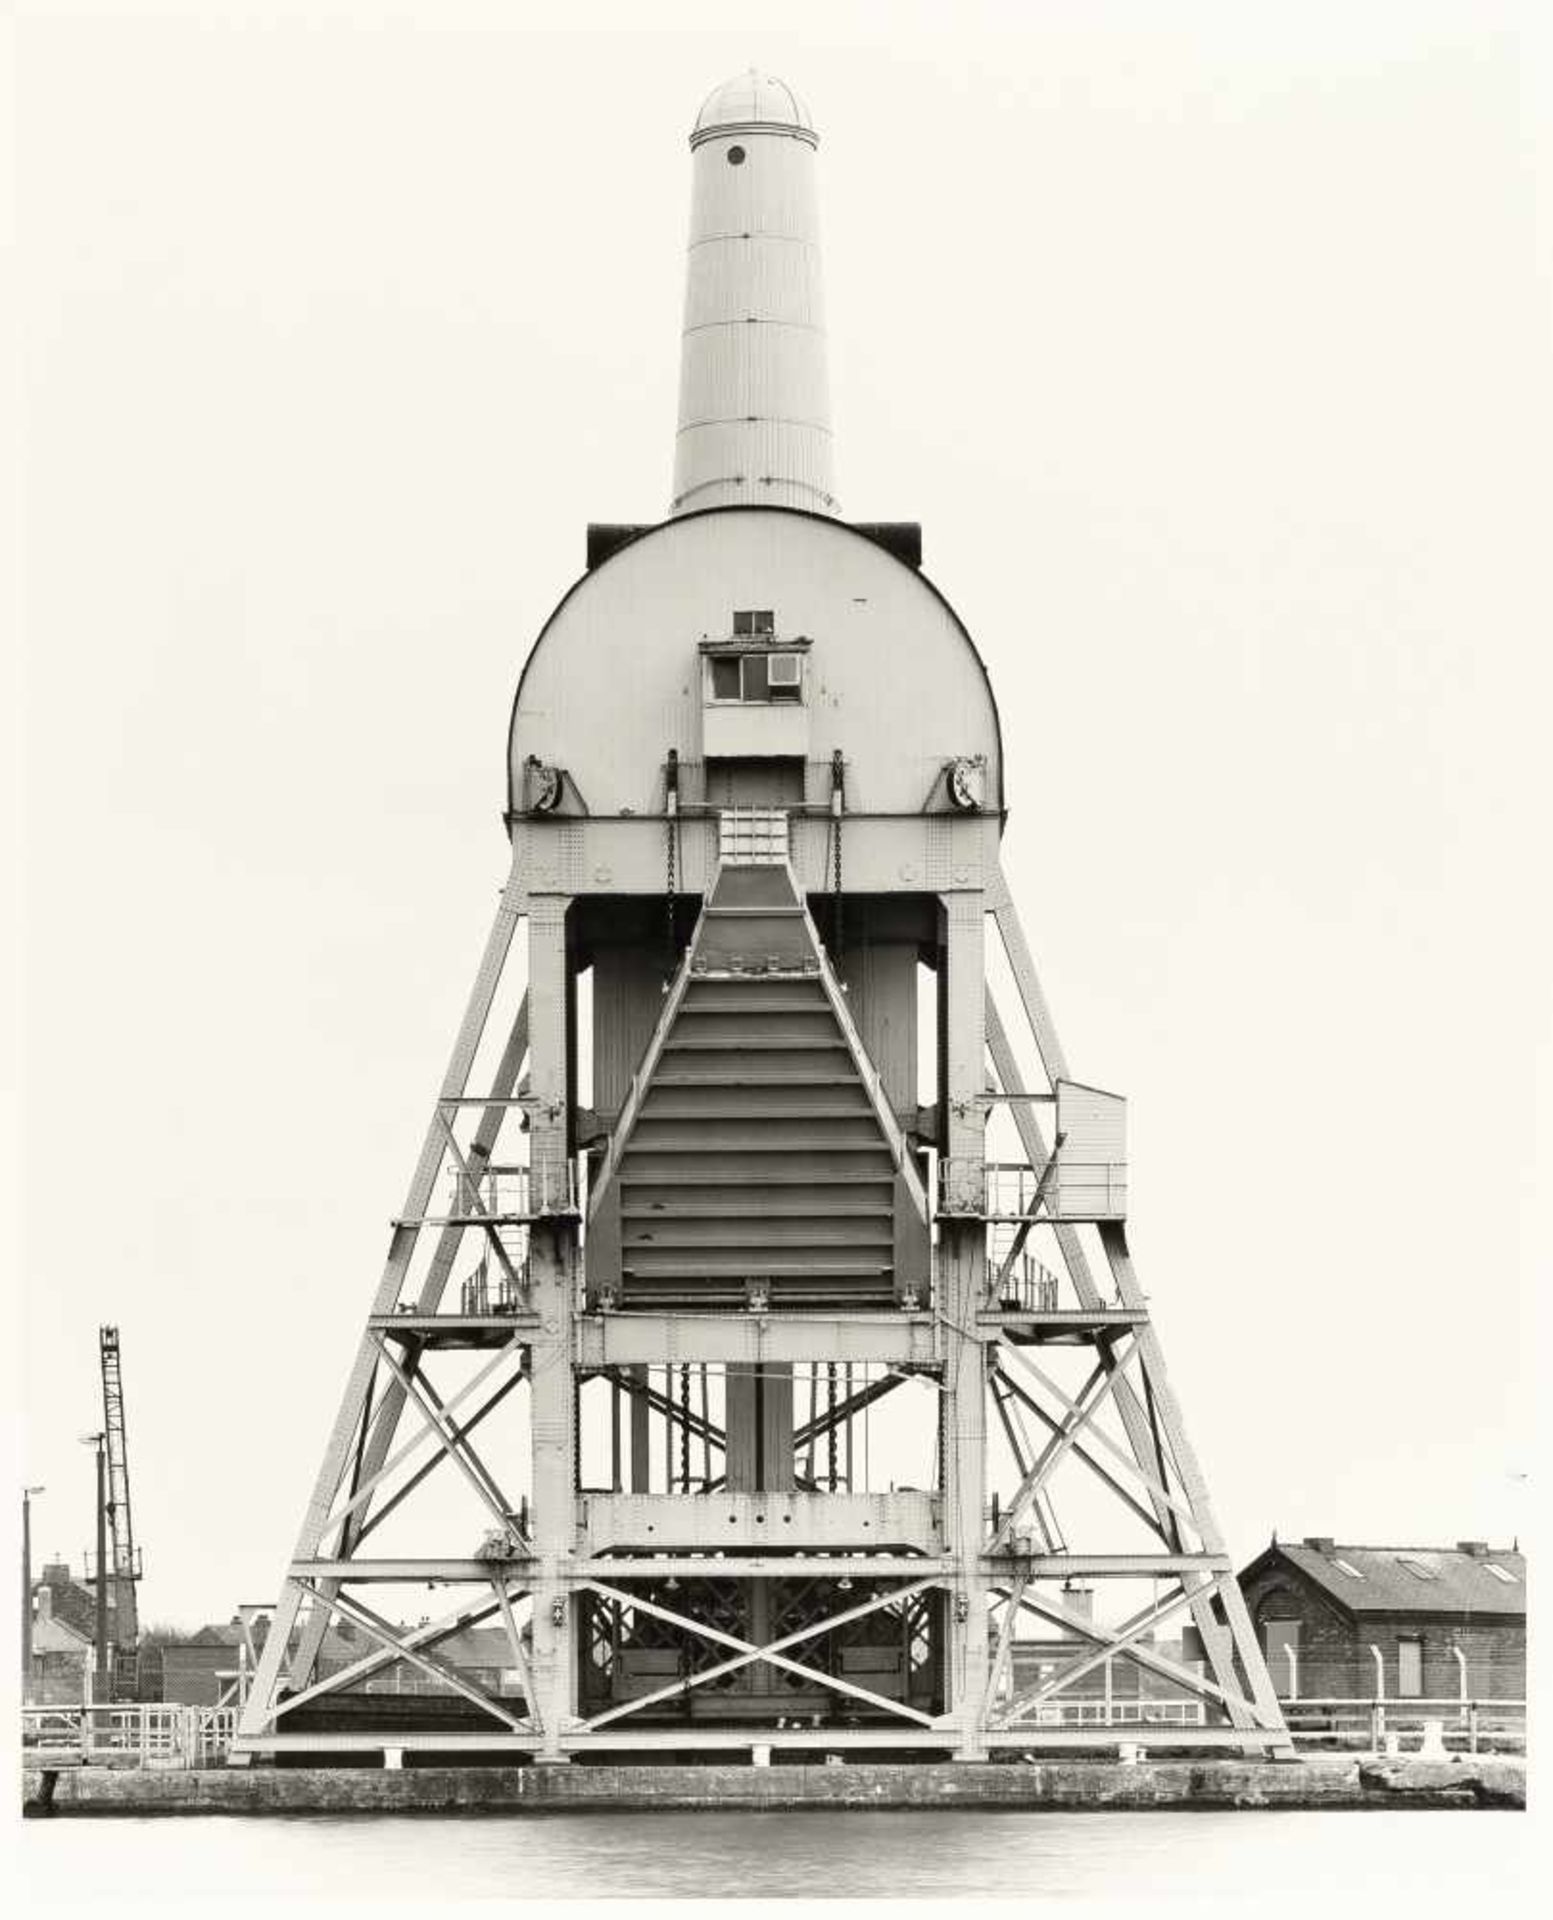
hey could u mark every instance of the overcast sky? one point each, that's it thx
(1208, 343)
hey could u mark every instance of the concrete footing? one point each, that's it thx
(1327, 1782)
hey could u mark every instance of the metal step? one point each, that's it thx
(749, 1234)
(759, 1043)
(749, 1077)
(801, 1205)
(742, 1267)
(659, 1293)
(659, 1106)
(771, 912)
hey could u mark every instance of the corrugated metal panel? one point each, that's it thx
(891, 679)
(627, 999)
(1091, 1177)
(773, 280)
(882, 979)
(753, 351)
(771, 371)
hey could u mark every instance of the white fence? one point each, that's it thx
(1465, 1724)
(144, 1735)
(1118, 1713)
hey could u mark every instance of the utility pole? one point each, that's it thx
(27, 1493)
(100, 1686)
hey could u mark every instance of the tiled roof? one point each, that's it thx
(1461, 1582)
(218, 1634)
(74, 1604)
(54, 1635)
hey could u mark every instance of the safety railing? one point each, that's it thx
(1027, 1287)
(1009, 1190)
(752, 836)
(1374, 1724)
(489, 1291)
(1118, 1713)
(145, 1734)
(513, 1193)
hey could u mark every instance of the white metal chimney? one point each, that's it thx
(754, 394)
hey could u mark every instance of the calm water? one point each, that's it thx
(1406, 1862)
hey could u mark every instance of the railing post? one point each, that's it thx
(1379, 1720)
(1472, 1726)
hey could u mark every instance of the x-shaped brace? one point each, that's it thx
(380, 1631)
(773, 1653)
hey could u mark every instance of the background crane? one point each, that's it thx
(124, 1560)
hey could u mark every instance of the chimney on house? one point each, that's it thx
(1321, 1542)
(1079, 1599)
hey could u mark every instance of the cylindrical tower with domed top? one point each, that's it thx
(754, 395)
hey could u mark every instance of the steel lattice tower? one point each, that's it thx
(723, 1181)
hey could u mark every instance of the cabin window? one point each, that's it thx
(1410, 1669)
(757, 678)
(750, 621)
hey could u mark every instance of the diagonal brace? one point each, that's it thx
(748, 1653)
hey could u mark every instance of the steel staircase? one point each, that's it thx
(756, 1160)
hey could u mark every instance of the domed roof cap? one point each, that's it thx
(753, 103)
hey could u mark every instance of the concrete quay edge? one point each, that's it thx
(1063, 1786)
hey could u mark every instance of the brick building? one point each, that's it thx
(61, 1656)
(69, 1599)
(201, 1670)
(1323, 1612)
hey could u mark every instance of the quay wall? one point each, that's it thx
(1067, 1786)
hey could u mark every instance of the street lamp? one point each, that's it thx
(27, 1493)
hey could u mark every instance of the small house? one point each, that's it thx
(61, 1656)
(1350, 1623)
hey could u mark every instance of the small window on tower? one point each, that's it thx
(725, 678)
(757, 685)
(753, 620)
(736, 156)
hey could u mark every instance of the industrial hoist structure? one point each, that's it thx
(758, 1360)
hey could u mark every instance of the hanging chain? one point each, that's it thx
(684, 1428)
(830, 1410)
(837, 801)
(671, 848)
